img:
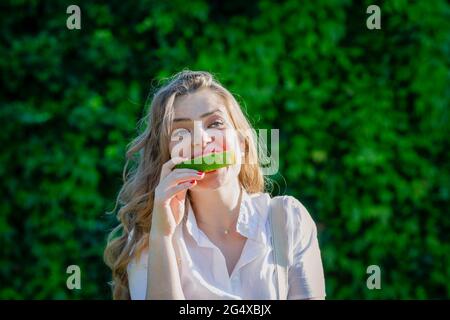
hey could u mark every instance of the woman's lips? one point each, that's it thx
(204, 154)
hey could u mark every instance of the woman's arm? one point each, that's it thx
(163, 277)
(306, 276)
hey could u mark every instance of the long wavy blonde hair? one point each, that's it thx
(149, 151)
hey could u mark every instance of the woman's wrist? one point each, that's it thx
(158, 236)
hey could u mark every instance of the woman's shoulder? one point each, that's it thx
(297, 215)
(300, 224)
(293, 206)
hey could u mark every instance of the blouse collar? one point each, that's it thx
(249, 223)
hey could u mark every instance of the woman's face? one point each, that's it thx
(201, 126)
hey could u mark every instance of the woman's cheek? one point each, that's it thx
(180, 148)
(232, 142)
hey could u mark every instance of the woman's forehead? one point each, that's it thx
(198, 103)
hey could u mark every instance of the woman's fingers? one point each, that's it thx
(176, 177)
(171, 177)
(169, 165)
(180, 187)
(172, 180)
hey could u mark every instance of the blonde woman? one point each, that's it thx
(195, 235)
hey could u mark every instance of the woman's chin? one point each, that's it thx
(213, 179)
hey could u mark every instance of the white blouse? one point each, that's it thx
(203, 270)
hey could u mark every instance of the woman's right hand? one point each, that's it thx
(170, 195)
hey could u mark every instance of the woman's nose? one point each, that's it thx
(201, 137)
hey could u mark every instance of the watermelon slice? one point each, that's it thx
(209, 162)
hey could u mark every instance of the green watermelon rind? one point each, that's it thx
(207, 163)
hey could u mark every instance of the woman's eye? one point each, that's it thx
(180, 132)
(217, 123)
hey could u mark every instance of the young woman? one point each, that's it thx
(196, 235)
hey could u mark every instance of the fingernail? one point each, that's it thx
(192, 181)
(200, 173)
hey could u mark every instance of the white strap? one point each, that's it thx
(278, 223)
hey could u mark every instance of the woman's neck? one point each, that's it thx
(218, 207)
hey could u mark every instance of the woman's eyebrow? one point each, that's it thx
(202, 116)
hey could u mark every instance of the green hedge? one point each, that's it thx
(363, 117)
